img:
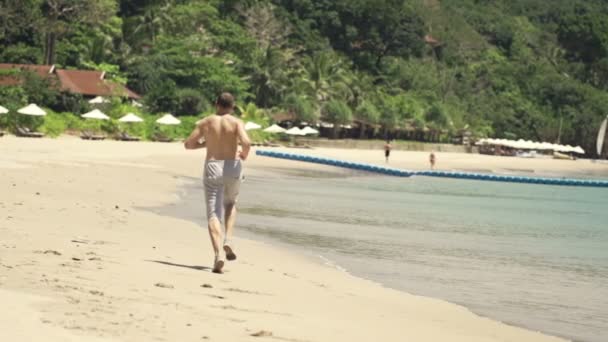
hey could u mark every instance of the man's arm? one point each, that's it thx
(245, 142)
(193, 141)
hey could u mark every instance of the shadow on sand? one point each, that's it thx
(196, 268)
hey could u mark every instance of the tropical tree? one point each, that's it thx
(368, 114)
(325, 77)
(60, 16)
(338, 113)
(303, 107)
(152, 22)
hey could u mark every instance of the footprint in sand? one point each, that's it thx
(164, 286)
(48, 251)
(262, 333)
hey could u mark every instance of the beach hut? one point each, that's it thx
(275, 129)
(250, 126)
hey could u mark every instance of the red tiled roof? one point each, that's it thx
(41, 70)
(85, 82)
(91, 83)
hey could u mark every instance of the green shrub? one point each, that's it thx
(54, 124)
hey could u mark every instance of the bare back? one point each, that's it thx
(221, 133)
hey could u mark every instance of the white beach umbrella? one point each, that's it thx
(130, 117)
(95, 114)
(99, 100)
(578, 150)
(275, 129)
(294, 131)
(3, 110)
(168, 119)
(32, 110)
(309, 130)
(250, 126)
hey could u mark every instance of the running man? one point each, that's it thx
(223, 173)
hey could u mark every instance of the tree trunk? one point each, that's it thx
(335, 131)
(49, 48)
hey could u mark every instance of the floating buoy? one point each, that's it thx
(458, 175)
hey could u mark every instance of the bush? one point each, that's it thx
(191, 102)
(73, 103)
(20, 54)
(162, 97)
(54, 124)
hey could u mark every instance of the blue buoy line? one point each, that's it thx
(442, 174)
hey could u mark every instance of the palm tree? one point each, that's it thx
(325, 77)
(338, 113)
(152, 22)
(268, 77)
(368, 114)
(303, 108)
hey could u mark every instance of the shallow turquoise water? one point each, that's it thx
(535, 256)
(531, 255)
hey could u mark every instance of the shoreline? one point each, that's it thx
(77, 230)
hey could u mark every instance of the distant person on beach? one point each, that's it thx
(387, 150)
(432, 160)
(223, 172)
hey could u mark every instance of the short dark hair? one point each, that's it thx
(225, 100)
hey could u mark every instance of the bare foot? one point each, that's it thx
(229, 253)
(218, 265)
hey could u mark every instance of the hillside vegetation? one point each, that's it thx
(529, 69)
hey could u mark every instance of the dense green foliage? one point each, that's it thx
(531, 69)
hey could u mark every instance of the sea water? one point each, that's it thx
(534, 256)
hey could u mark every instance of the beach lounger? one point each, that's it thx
(124, 136)
(25, 132)
(161, 138)
(88, 135)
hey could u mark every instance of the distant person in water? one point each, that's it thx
(432, 160)
(221, 134)
(387, 150)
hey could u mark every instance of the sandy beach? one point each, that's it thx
(80, 260)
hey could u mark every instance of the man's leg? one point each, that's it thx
(230, 219)
(215, 232)
(232, 183)
(214, 192)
